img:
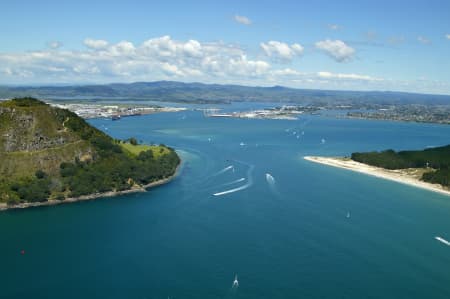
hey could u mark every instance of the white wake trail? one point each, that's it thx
(223, 170)
(442, 240)
(245, 186)
(233, 182)
(271, 182)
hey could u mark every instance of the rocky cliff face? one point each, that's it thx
(24, 130)
(33, 138)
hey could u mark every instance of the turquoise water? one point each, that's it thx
(286, 237)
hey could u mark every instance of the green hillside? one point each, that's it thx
(50, 153)
(437, 160)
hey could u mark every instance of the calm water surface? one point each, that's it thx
(278, 222)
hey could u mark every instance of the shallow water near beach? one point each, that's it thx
(245, 203)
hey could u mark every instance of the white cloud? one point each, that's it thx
(193, 48)
(155, 59)
(95, 44)
(242, 20)
(164, 58)
(334, 27)
(244, 67)
(447, 36)
(122, 48)
(297, 48)
(337, 49)
(423, 40)
(328, 75)
(55, 44)
(281, 51)
(171, 69)
(286, 72)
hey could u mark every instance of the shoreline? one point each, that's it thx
(399, 176)
(134, 189)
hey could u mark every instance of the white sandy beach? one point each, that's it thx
(399, 176)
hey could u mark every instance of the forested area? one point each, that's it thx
(436, 159)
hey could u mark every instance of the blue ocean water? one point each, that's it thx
(278, 222)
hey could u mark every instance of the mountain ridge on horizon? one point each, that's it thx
(198, 92)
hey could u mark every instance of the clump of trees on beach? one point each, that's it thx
(437, 160)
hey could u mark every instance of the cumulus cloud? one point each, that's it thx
(164, 58)
(447, 36)
(329, 75)
(281, 51)
(95, 44)
(123, 48)
(286, 72)
(297, 48)
(155, 59)
(242, 20)
(337, 49)
(423, 40)
(55, 44)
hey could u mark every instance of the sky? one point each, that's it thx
(344, 45)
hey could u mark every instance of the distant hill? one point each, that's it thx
(437, 158)
(213, 93)
(51, 153)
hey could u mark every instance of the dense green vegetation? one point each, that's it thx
(23, 102)
(114, 170)
(102, 163)
(156, 151)
(437, 158)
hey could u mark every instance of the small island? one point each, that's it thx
(50, 155)
(428, 169)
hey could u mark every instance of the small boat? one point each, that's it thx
(242, 144)
(269, 178)
(115, 117)
(235, 282)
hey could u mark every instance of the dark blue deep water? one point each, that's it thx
(281, 224)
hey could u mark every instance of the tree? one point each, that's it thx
(133, 141)
(40, 174)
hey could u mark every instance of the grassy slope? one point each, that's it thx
(22, 163)
(135, 150)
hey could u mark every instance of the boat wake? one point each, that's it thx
(243, 187)
(442, 240)
(271, 182)
(233, 182)
(231, 167)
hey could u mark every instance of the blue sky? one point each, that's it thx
(357, 45)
